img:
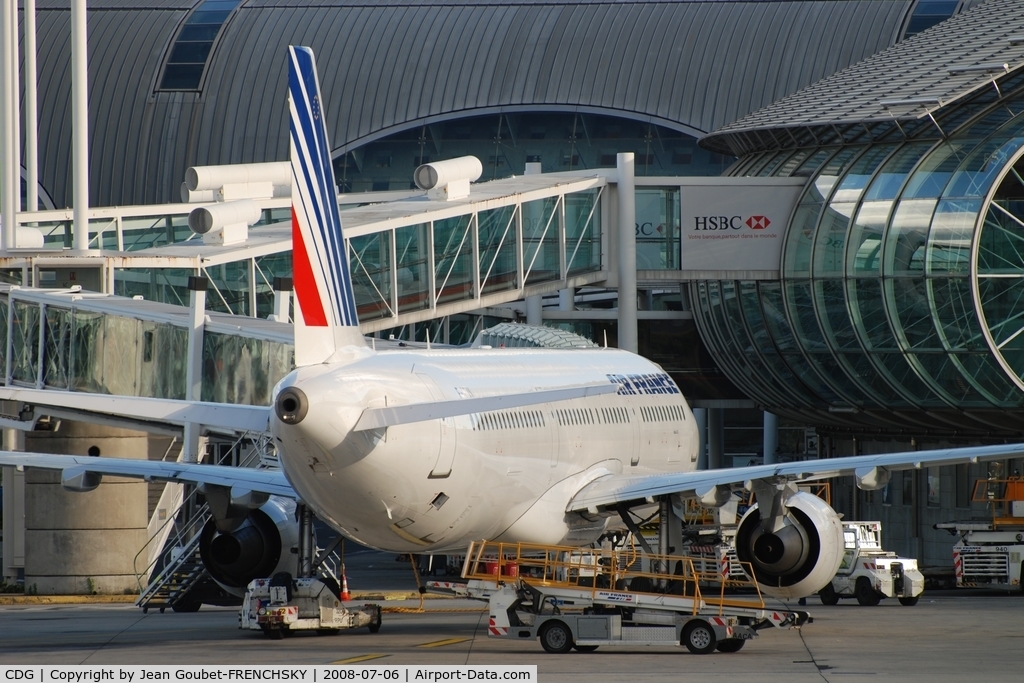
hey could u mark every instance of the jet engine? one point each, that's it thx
(801, 555)
(259, 547)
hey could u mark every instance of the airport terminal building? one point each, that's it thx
(879, 309)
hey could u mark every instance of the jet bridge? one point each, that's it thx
(413, 257)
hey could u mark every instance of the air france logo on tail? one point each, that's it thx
(323, 285)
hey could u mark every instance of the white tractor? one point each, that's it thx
(870, 573)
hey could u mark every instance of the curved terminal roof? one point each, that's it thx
(906, 83)
(387, 65)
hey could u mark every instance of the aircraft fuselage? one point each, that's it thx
(504, 475)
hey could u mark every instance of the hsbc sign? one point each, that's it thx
(730, 222)
(735, 224)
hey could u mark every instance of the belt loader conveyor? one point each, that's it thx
(582, 599)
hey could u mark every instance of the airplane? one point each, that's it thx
(425, 450)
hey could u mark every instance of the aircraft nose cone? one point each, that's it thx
(291, 406)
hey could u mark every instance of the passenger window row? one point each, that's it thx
(592, 416)
(662, 413)
(507, 419)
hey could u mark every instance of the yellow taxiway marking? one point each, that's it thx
(360, 658)
(442, 643)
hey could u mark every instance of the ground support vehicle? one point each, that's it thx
(869, 573)
(282, 605)
(990, 553)
(570, 598)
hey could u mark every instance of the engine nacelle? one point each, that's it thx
(259, 548)
(799, 559)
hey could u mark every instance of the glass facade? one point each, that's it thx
(657, 228)
(191, 49)
(901, 297)
(927, 13)
(505, 143)
(77, 348)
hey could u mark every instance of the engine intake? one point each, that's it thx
(258, 548)
(798, 559)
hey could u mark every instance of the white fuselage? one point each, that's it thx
(503, 475)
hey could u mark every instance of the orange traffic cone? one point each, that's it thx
(345, 596)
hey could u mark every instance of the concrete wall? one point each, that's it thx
(84, 542)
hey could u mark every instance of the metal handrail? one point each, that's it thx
(999, 495)
(185, 537)
(602, 570)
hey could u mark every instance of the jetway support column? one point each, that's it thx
(567, 299)
(771, 438)
(535, 303)
(282, 298)
(194, 372)
(626, 192)
(535, 310)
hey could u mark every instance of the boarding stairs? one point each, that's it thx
(178, 570)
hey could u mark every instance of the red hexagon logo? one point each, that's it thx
(758, 222)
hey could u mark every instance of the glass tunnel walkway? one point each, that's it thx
(412, 260)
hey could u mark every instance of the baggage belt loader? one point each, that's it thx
(570, 598)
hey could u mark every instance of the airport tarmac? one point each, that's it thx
(948, 636)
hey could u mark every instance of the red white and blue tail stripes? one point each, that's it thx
(323, 285)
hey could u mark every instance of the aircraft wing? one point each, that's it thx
(224, 415)
(713, 486)
(239, 479)
(378, 418)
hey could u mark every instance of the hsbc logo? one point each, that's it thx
(730, 222)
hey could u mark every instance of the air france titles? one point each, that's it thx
(654, 383)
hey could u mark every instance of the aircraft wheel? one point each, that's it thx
(731, 645)
(584, 648)
(828, 595)
(556, 638)
(866, 594)
(698, 637)
(911, 601)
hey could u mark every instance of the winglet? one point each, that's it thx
(325, 317)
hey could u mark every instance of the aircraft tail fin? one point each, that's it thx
(325, 314)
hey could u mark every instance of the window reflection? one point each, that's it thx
(504, 143)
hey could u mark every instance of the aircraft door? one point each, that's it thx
(554, 434)
(635, 433)
(446, 450)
